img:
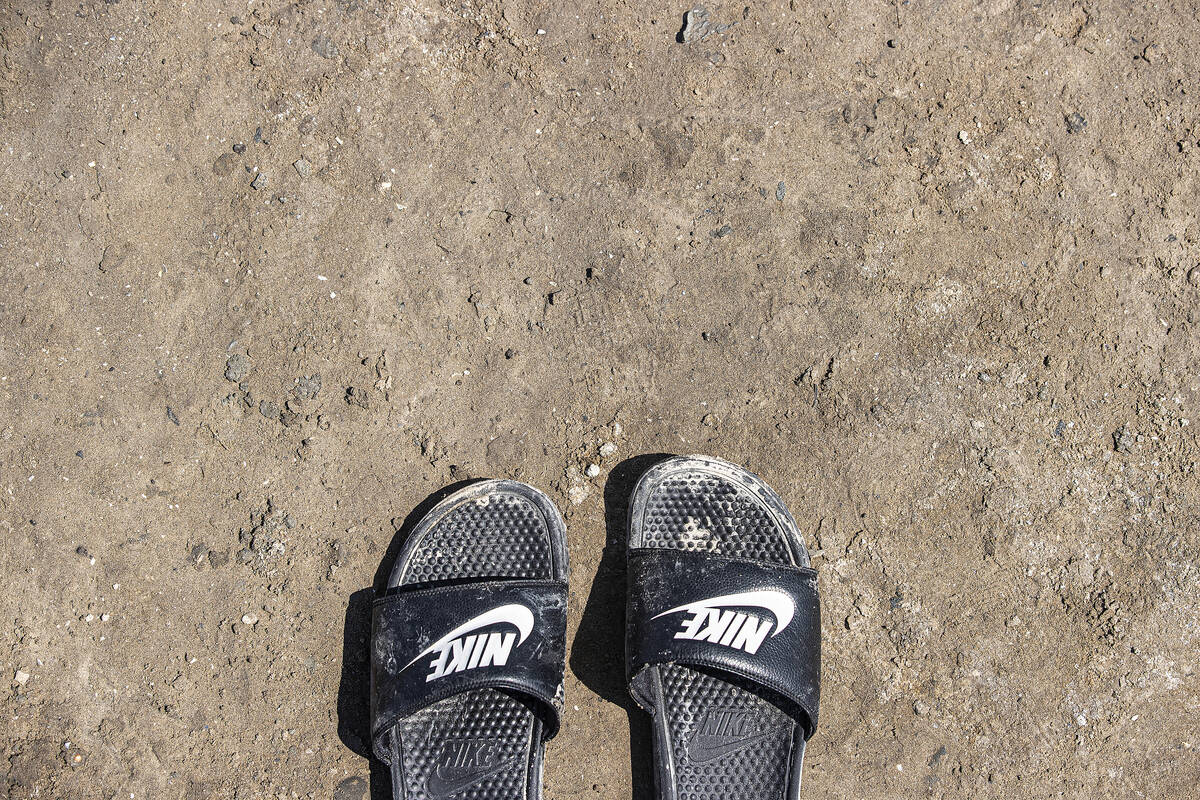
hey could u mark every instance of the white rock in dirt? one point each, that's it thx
(22, 677)
(607, 449)
(592, 470)
(577, 494)
(250, 619)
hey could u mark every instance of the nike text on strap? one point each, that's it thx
(433, 643)
(761, 622)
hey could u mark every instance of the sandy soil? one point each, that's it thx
(276, 272)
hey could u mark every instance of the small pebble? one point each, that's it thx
(698, 26)
(250, 619)
(303, 166)
(260, 181)
(1075, 122)
(324, 47)
(309, 386)
(22, 677)
(198, 554)
(237, 367)
(592, 470)
(224, 165)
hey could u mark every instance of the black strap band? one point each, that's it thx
(761, 622)
(432, 643)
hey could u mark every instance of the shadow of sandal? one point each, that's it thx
(598, 650)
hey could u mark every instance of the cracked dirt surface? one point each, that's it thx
(275, 272)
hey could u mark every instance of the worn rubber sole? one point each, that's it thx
(484, 744)
(715, 737)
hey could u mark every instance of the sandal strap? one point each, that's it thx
(759, 622)
(430, 643)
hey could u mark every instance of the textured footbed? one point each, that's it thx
(484, 744)
(715, 736)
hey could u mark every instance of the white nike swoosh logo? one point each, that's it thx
(778, 603)
(514, 614)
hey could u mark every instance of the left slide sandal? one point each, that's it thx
(468, 647)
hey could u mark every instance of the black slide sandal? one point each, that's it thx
(468, 647)
(723, 632)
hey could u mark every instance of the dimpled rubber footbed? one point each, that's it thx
(748, 758)
(505, 536)
(500, 535)
(756, 771)
(701, 511)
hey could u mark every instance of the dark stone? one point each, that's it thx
(351, 789)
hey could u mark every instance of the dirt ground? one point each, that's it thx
(276, 272)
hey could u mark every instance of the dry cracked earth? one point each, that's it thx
(274, 273)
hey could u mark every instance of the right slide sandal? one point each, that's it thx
(723, 632)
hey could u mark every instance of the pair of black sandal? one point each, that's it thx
(723, 639)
